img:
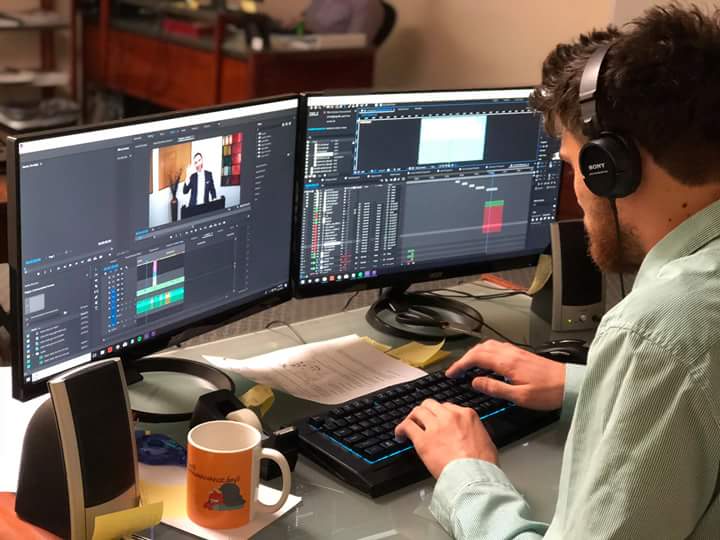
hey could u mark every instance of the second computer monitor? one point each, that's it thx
(405, 187)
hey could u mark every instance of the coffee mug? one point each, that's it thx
(223, 473)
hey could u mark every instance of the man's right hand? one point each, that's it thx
(534, 382)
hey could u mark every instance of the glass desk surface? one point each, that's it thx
(332, 509)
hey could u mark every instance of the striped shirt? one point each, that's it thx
(643, 452)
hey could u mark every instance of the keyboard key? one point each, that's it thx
(316, 421)
(373, 451)
(342, 433)
(354, 438)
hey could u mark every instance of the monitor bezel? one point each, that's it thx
(395, 279)
(194, 326)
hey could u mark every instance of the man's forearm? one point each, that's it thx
(474, 499)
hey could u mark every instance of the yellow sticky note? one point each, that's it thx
(172, 496)
(259, 398)
(543, 273)
(379, 346)
(440, 355)
(119, 524)
(418, 355)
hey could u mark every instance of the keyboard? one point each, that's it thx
(356, 440)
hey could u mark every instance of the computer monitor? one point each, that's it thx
(404, 187)
(127, 237)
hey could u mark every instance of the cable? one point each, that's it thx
(613, 207)
(349, 301)
(269, 325)
(516, 343)
(463, 294)
(482, 323)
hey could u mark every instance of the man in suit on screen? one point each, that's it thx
(191, 185)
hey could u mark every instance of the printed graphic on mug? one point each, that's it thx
(226, 497)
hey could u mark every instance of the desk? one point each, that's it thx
(331, 509)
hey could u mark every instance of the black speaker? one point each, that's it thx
(574, 299)
(79, 458)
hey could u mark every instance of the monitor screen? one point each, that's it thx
(402, 187)
(124, 236)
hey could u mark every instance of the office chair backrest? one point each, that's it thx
(387, 24)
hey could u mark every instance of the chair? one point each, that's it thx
(387, 25)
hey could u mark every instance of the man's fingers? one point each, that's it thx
(495, 388)
(433, 406)
(408, 429)
(422, 416)
(483, 356)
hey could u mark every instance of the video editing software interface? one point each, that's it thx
(131, 231)
(421, 181)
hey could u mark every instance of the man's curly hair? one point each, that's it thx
(660, 86)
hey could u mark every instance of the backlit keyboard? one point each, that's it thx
(356, 440)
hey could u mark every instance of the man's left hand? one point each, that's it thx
(445, 432)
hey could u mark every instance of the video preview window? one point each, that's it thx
(194, 178)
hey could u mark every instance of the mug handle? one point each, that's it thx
(277, 457)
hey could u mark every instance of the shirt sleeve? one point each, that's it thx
(474, 499)
(642, 456)
(574, 377)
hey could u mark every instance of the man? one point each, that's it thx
(345, 16)
(191, 184)
(642, 457)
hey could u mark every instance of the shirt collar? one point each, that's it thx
(685, 239)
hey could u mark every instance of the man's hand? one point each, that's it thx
(534, 382)
(445, 432)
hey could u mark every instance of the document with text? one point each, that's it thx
(328, 372)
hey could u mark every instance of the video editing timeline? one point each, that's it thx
(117, 263)
(160, 281)
(422, 180)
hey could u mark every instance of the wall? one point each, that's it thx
(468, 43)
(626, 10)
(471, 43)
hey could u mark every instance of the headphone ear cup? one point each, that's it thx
(610, 166)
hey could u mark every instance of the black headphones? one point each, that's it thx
(609, 162)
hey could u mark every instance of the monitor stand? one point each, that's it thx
(394, 300)
(210, 379)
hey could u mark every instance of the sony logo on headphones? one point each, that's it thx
(596, 166)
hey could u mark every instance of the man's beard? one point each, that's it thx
(609, 254)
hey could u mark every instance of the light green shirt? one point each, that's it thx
(643, 452)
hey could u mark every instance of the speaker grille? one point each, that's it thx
(97, 402)
(582, 280)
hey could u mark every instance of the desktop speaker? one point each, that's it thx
(79, 459)
(574, 299)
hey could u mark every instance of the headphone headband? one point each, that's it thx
(588, 92)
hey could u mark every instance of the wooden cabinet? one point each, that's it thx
(177, 73)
